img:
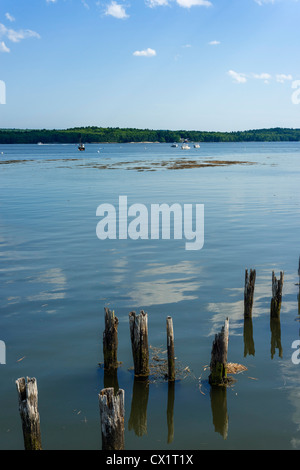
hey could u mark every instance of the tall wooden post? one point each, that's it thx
(277, 285)
(28, 407)
(112, 414)
(249, 292)
(170, 349)
(139, 341)
(218, 363)
(110, 340)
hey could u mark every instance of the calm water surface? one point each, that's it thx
(57, 277)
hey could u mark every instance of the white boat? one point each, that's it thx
(81, 147)
(40, 143)
(185, 147)
(174, 145)
(196, 146)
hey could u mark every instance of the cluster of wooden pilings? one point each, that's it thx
(112, 399)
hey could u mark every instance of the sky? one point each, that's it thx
(211, 65)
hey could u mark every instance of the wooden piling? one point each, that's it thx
(110, 340)
(277, 285)
(139, 341)
(112, 414)
(218, 364)
(170, 349)
(28, 407)
(249, 292)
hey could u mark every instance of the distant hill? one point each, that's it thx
(125, 135)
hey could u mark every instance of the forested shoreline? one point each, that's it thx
(126, 135)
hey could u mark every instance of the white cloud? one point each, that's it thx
(181, 3)
(192, 3)
(17, 36)
(237, 77)
(263, 76)
(116, 10)
(281, 78)
(145, 53)
(157, 3)
(9, 17)
(262, 2)
(3, 47)
(214, 43)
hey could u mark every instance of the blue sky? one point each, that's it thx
(159, 64)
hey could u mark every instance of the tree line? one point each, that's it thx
(95, 134)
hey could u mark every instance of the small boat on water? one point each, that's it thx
(196, 146)
(81, 147)
(185, 147)
(40, 143)
(174, 145)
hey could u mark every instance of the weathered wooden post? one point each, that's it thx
(139, 341)
(28, 407)
(112, 414)
(170, 349)
(277, 285)
(218, 363)
(110, 340)
(249, 292)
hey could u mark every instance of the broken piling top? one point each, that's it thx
(28, 407)
(110, 339)
(139, 341)
(277, 285)
(218, 364)
(112, 414)
(249, 292)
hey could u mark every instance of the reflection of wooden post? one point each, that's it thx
(218, 401)
(112, 419)
(110, 340)
(299, 288)
(277, 285)
(111, 379)
(138, 413)
(249, 292)
(218, 363)
(170, 411)
(139, 342)
(170, 348)
(275, 337)
(248, 337)
(28, 407)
